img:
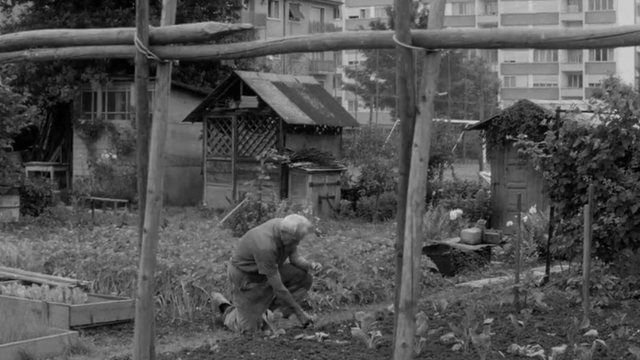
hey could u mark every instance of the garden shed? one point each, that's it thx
(511, 173)
(251, 112)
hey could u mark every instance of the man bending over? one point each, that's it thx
(259, 280)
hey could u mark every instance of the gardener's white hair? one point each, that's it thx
(297, 225)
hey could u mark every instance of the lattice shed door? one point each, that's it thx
(218, 150)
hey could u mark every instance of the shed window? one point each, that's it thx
(110, 102)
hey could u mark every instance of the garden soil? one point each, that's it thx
(546, 328)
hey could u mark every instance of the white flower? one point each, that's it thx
(453, 214)
(525, 218)
(509, 223)
(533, 209)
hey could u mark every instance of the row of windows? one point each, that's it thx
(491, 7)
(295, 13)
(551, 56)
(574, 81)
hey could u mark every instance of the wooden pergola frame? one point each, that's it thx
(68, 44)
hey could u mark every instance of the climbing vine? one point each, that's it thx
(605, 154)
(522, 118)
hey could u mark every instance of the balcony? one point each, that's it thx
(600, 17)
(572, 92)
(572, 13)
(600, 68)
(543, 93)
(316, 27)
(322, 66)
(572, 61)
(460, 21)
(529, 68)
(488, 12)
(530, 19)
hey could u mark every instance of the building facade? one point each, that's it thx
(527, 73)
(275, 19)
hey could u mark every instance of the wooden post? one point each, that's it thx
(142, 110)
(516, 290)
(406, 113)
(552, 210)
(145, 308)
(205, 150)
(586, 256)
(415, 198)
(547, 270)
(234, 157)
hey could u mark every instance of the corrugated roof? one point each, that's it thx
(298, 100)
(550, 107)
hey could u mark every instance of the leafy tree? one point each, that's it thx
(57, 82)
(468, 81)
(606, 154)
(15, 114)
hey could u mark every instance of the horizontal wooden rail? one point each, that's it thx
(502, 38)
(175, 34)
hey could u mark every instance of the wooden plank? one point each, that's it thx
(41, 348)
(23, 275)
(102, 312)
(98, 310)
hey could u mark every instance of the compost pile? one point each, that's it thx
(312, 155)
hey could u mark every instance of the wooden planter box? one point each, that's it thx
(99, 310)
(40, 348)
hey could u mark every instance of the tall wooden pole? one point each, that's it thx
(406, 112)
(586, 258)
(516, 288)
(144, 319)
(416, 194)
(142, 109)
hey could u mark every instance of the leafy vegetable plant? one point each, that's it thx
(60, 294)
(365, 329)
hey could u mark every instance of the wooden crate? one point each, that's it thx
(40, 348)
(318, 187)
(99, 310)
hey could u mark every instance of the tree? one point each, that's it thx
(468, 81)
(57, 82)
(15, 114)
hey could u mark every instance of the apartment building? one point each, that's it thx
(528, 73)
(274, 19)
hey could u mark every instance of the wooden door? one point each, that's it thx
(514, 176)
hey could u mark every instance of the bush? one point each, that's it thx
(256, 211)
(110, 178)
(469, 196)
(387, 207)
(36, 195)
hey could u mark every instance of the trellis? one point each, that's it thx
(152, 44)
(230, 139)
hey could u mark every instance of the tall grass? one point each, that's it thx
(18, 324)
